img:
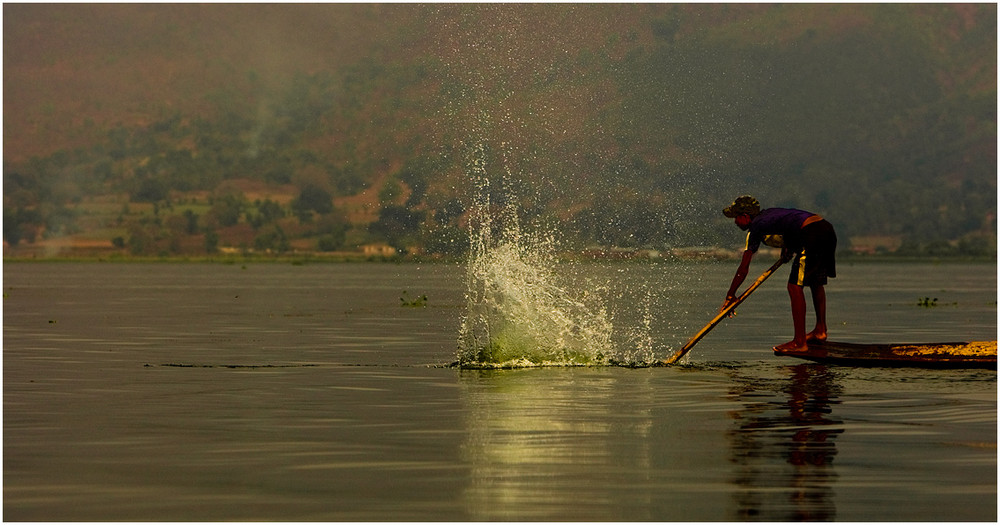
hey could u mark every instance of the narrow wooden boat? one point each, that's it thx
(974, 354)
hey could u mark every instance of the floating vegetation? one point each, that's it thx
(927, 302)
(417, 302)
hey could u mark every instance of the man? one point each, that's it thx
(806, 239)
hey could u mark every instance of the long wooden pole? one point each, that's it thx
(722, 315)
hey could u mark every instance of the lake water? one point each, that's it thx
(207, 392)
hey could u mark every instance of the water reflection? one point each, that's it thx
(552, 444)
(625, 445)
(783, 446)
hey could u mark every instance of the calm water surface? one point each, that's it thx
(281, 392)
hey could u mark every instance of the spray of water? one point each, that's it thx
(525, 306)
(521, 310)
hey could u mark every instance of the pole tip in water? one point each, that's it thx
(672, 359)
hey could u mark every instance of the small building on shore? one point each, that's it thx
(380, 249)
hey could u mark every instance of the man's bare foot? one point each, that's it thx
(816, 337)
(790, 346)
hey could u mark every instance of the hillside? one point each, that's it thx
(189, 128)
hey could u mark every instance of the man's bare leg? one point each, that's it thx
(819, 333)
(798, 299)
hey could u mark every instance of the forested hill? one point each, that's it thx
(192, 128)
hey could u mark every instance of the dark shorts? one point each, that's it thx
(816, 261)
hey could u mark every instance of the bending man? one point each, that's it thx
(805, 238)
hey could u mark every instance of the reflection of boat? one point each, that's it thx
(975, 354)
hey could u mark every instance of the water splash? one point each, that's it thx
(523, 309)
(525, 306)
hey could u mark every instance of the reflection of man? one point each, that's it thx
(793, 427)
(805, 238)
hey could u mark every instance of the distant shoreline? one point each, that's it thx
(350, 257)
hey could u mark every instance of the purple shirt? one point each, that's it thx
(786, 222)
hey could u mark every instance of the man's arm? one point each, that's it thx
(741, 275)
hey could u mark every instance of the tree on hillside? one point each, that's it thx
(267, 212)
(312, 198)
(226, 210)
(21, 224)
(149, 189)
(397, 224)
(271, 238)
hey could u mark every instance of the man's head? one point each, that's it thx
(743, 209)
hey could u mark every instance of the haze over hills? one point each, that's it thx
(191, 128)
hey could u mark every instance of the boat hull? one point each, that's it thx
(972, 354)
